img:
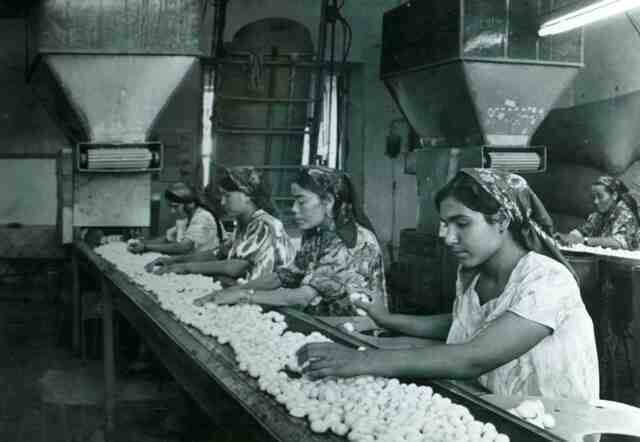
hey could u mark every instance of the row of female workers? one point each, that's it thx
(518, 324)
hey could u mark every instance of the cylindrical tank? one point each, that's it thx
(262, 96)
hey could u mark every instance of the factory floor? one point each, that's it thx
(48, 395)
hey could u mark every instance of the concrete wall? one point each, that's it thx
(25, 126)
(594, 129)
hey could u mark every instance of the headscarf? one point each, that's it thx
(522, 205)
(181, 193)
(251, 182)
(347, 211)
(614, 185)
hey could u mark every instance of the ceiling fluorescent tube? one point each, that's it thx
(584, 16)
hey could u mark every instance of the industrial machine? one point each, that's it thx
(474, 81)
(107, 85)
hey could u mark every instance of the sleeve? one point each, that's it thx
(202, 229)
(623, 222)
(290, 275)
(256, 247)
(589, 228)
(547, 296)
(171, 234)
(345, 271)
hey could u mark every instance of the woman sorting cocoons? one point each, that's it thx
(339, 255)
(196, 229)
(260, 246)
(518, 324)
(615, 223)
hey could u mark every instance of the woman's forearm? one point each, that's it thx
(604, 241)
(430, 327)
(299, 297)
(170, 248)
(270, 281)
(436, 361)
(233, 268)
(209, 255)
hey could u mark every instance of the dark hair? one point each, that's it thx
(471, 194)
(181, 193)
(344, 194)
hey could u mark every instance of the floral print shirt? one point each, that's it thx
(264, 243)
(335, 271)
(620, 224)
(540, 289)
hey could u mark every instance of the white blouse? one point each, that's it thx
(540, 289)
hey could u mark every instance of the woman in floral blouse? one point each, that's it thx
(203, 231)
(518, 323)
(615, 223)
(261, 244)
(339, 255)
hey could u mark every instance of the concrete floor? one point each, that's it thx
(47, 395)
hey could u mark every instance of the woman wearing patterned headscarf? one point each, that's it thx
(615, 223)
(518, 323)
(260, 246)
(197, 229)
(339, 254)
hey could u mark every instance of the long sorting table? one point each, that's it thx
(610, 286)
(202, 365)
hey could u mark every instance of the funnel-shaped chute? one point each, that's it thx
(118, 97)
(469, 76)
(117, 62)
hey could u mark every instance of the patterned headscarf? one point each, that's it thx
(614, 185)
(251, 182)
(347, 211)
(522, 205)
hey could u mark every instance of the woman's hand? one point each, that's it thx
(200, 302)
(222, 297)
(137, 246)
(328, 359)
(158, 262)
(569, 239)
(376, 310)
(234, 296)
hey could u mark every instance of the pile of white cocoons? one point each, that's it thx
(532, 410)
(363, 408)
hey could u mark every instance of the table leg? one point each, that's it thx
(109, 360)
(635, 332)
(76, 304)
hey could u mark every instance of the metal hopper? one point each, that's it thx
(110, 67)
(472, 76)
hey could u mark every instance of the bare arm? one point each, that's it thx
(234, 268)
(170, 248)
(504, 340)
(603, 241)
(430, 327)
(281, 297)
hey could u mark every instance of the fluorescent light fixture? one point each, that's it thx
(584, 16)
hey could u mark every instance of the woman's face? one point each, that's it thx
(234, 203)
(178, 209)
(309, 209)
(602, 199)
(467, 233)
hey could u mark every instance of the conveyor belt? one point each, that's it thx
(198, 363)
